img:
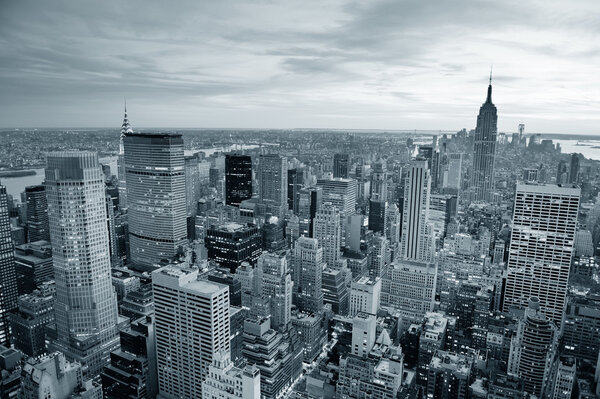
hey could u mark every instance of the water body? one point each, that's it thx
(589, 148)
(16, 185)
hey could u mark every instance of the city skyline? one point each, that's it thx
(386, 65)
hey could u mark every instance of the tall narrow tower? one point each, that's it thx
(273, 185)
(328, 230)
(482, 181)
(308, 267)
(417, 234)
(125, 128)
(86, 303)
(37, 213)
(155, 169)
(8, 279)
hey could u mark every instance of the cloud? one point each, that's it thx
(382, 64)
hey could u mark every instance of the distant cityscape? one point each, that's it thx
(271, 264)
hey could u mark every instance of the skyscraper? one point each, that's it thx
(192, 325)
(328, 230)
(453, 176)
(482, 181)
(417, 240)
(541, 247)
(125, 128)
(340, 165)
(308, 266)
(275, 285)
(192, 185)
(532, 349)
(8, 279)
(238, 178)
(86, 303)
(37, 214)
(379, 181)
(154, 164)
(574, 169)
(341, 193)
(230, 244)
(295, 179)
(272, 179)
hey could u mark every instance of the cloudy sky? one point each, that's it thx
(283, 64)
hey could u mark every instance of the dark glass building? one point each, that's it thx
(238, 179)
(340, 165)
(233, 243)
(37, 213)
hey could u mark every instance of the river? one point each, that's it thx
(16, 185)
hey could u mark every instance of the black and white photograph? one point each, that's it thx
(334, 199)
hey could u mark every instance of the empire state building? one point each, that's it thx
(482, 180)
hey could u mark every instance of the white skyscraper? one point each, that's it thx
(417, 234)
(192, 325)
(541, 247)
(328, 230)
(86, 302)
(341, 193)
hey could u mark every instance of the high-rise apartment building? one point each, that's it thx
(192, 185)
(192, 325)
(417, 233)
(308, 265)
(275, 284)
(340, 165)
(28, 323)
(86, 302)
(328, 230)
(273, 185)
(238, 178)
(156, 196)
(533, 348)
(453, 176)
(341, 193)
(8, 279)
(574, 169)
(295, 180)
(541, 247)
(410, 287)
(482, 181)
(37, 214)
(377, 215)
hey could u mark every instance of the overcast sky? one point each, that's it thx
(282, 64)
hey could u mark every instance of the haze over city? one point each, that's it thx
(335, 64)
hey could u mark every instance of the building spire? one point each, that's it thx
(125, 128)
(489, 92)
